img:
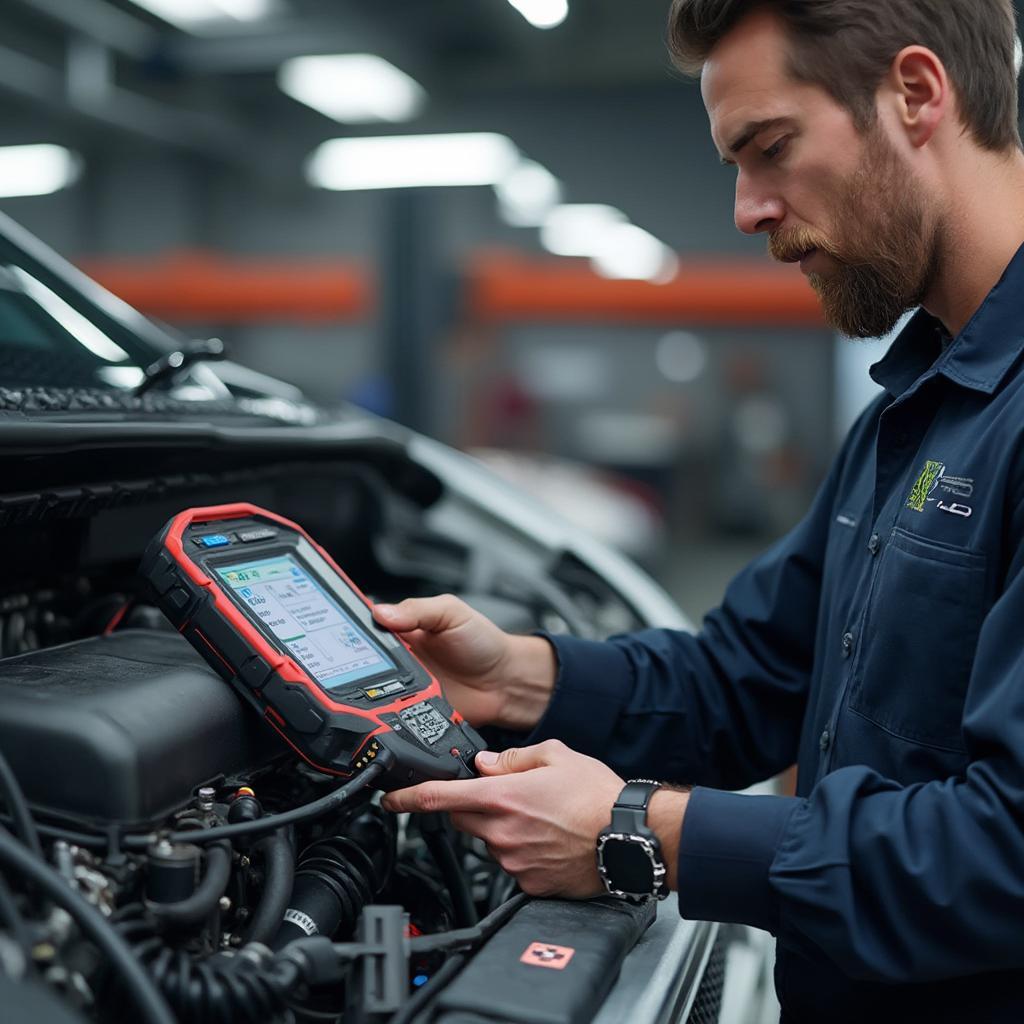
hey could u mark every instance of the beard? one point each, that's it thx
(887, 255)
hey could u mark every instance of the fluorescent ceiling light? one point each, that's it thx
(617, 248)
(630, 253)
(579, 229)
(206, 14)
(528, 195)
(356, 88)
(412, 161)
(542, 13)
(36, 170)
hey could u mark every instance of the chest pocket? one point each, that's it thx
(919, 638)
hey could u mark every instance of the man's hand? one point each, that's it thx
(539, 810)
(491, 677)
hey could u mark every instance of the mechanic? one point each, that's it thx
(879, 645)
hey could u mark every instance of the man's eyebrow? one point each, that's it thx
(750, 130)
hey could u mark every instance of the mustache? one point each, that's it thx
(791, 246)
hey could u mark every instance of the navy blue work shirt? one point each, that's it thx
(880, 646)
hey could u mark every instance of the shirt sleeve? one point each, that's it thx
(721, 708)
(893, 883)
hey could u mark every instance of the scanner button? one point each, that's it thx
(213, 540)
(296, 709)
(254, 672)
(260, 533)
(179, 597)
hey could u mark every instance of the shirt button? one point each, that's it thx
(847, 644)
(874, 544)
(826, 741)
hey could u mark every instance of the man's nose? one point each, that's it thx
(756, 210)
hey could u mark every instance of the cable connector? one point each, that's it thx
(380, 976)
(317, 959)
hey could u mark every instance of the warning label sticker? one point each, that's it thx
(540, 954)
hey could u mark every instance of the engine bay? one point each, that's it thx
(246, 885)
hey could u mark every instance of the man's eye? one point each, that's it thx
(773, 151)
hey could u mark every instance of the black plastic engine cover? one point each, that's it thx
(122, 728)
(553, 963)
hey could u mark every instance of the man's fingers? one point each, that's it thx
(472, 822)
(520, 759)
(432, 614)
(464, 795)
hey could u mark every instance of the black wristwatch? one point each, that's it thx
(628, 852)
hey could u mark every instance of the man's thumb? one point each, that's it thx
(515, 759)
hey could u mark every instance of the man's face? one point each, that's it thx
(841, 202)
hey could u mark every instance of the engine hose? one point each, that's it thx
(221, 990)
(14, 798)
(335, 879)
(279, 874)
(203, 901)
(434, 828)
(338, 875)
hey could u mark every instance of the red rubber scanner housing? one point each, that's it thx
(337, 734)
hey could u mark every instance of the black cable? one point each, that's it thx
(11, 917)
(272, 822)
(147, 997)
(89, 841)
(278, 876)
(13, 796)
(203, 901)
(469, 936)
(443, 941)
(451, 967)
(434, 829)
(501, 889)
(269, 823)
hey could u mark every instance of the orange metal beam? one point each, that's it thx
(199, 286)
(500, 288)
(511, 288)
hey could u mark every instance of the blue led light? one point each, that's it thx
(215, 540)
(420, 979)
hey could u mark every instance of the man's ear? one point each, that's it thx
(922, 93)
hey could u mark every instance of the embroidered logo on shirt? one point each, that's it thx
(933, 478)
(926, 483)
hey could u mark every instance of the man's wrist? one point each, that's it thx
(665, 815)
(529, 682)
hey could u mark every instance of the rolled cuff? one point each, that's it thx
(726, 850)
(592, 686)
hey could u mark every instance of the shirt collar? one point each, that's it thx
(979, 357)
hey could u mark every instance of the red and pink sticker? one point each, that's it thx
(541, 954)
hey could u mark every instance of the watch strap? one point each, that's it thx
(629, 812)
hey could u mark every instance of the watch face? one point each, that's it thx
(628, 866)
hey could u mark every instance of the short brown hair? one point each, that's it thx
(847, 46)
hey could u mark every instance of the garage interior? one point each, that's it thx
(442, 308)
(499, 223)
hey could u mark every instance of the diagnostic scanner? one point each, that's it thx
(271, 611)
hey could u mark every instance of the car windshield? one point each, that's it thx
(52, 336)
